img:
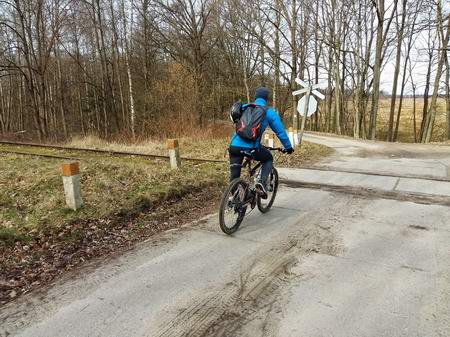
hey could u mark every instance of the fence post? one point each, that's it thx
(174, 153)
(291, 136)
(296, 139)
(72, 185)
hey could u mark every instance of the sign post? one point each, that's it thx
(307, 105)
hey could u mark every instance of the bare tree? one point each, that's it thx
(382, 30)
(444, 34)
(411, 28)
(400, 35)
(185, 37)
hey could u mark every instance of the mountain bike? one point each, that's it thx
(241, 195)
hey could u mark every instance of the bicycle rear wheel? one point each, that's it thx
(232, 206)
(264, 205)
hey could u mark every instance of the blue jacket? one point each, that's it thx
(273, 120)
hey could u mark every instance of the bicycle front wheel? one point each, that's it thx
(232, 206)
(264, 205)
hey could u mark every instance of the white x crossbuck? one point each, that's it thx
(307, 105)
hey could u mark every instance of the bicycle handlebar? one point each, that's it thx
(279, 149)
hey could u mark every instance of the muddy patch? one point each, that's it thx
(368, 193)
(249, 304)
(417, 227)
(377, 174)
(400, 152)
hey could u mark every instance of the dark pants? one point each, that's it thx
(237, 155)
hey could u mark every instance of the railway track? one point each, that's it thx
(108, 152)
(45, 155)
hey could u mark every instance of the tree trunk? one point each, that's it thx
(294, 60)
(400, 33)
(115, 57)
(130, 80)
(276, 55)
(404, 77)
(317, 53)
(414, 111)
(426, 94)
(2, 109)
(447, 96)
(377, 72)
(431, 115)
(62, 91)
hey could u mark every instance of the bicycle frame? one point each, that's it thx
(251, 172)
(248, 161)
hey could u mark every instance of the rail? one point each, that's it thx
(109, 152)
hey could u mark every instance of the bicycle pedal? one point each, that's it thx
(261, 193)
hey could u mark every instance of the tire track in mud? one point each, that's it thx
(237, 300)
(254, 293)
(372, 193)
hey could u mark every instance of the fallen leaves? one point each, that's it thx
(51, 253)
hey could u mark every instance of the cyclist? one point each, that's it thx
(240, 147)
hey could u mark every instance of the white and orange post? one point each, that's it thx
(296, 139)
(291, 136)
(270, 140)
(174, 153)
(72, 185)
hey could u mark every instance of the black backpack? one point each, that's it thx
(248, 120)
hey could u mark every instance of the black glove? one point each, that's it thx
(290, 150)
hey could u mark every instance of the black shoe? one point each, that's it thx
(261, 190)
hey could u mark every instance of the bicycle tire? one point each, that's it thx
(264, 209)
(224, 206)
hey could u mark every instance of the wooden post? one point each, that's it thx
(174, 153)
(72, 185)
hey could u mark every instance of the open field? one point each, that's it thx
(406, 128)
(126, 199)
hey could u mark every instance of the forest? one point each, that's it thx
(134, 69)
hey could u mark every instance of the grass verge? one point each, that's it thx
(306, 154)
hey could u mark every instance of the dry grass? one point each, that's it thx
(32, 196)
(306, 154)
(201, 147)
(93, 142)
(406, 128)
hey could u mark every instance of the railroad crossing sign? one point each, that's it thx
(312, 106)
(306, 86)
(307, 105)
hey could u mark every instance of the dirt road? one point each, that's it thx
(356, 246)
